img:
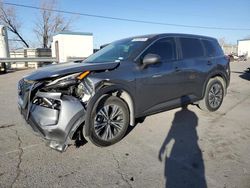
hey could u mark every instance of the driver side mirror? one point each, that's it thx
(150, 59)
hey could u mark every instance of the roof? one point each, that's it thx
(156, 36)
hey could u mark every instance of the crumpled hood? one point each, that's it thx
(62, 69)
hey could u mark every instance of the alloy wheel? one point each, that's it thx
(109, 122)
(215, 95)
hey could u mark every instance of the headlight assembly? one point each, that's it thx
(67, 81)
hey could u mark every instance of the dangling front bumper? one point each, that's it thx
(55, 125)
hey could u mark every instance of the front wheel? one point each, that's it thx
(109, 121)
(214, 95)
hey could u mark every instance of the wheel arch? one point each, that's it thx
(110, 89)
(221, 76)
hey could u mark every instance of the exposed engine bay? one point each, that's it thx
(68, 85)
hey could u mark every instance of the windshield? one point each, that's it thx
(118, 51)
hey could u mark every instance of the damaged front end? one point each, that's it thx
(55, 108)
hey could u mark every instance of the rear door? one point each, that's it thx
(192, 66)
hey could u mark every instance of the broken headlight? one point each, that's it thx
(64, 82)
(74, 84)
(85, 89)
(67, 81)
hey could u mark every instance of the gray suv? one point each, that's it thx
(126, 80)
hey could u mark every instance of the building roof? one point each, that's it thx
(74, 33)
(244, 39)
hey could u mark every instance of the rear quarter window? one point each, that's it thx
(191, 48)
(218, 49)
(212, 48)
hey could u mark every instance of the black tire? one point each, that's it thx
(214, 95)
(107, 127)
(4, 67)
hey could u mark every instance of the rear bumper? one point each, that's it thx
(56, 126)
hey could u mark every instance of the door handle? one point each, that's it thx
(177, 69)
(157, 76)
(209, 63)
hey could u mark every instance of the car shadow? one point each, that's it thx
(79, 139)
(137, 121)
(245, 75)
(184, 166)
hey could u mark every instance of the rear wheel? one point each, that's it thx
(109, 121)
(214, 95)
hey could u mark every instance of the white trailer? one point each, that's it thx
(70, 45)
(244, 47)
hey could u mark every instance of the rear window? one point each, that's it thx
(191, 48)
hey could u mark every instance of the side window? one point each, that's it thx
(165, 48)
(209, 47)
(191, 48)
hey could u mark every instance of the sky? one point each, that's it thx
(208, 13)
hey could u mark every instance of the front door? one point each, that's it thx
(155, 84)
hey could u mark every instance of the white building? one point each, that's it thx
(244, 47)
(70, 45)
(229, 48)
